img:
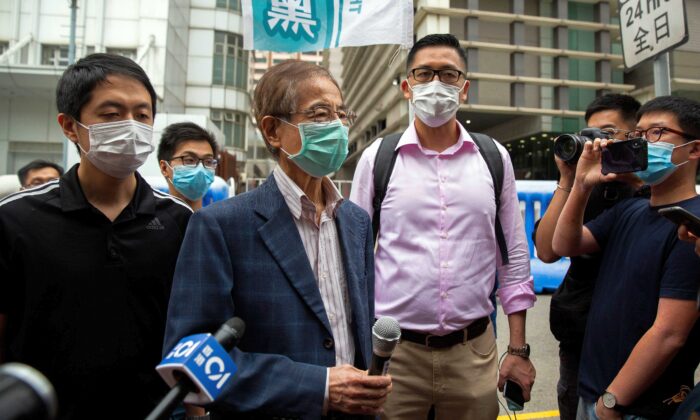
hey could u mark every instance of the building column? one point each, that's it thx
(603, 68)
(560, 9)
(517, 59)
(472, 34)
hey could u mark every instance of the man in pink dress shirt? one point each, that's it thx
(437, 257)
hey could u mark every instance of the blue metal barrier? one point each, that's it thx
(534, 199)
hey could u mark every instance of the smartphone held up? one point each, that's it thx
(625, 156)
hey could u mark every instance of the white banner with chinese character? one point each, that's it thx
(651, 27)
(313, 25)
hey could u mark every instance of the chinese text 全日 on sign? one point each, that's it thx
(650, 27)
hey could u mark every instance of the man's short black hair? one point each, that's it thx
(626, 105)
(34, 165)
(687, 112)
(174, 134)
(75, 87)
(436, 40)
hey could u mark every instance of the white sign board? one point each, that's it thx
(651, 27)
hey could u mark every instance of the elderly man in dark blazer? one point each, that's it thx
(293, 260)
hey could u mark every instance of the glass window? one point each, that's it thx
(54, 55)
(232, 5)
(4, 45)
(124, 52)
(232, 124)
(230, 60)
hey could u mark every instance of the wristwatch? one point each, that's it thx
(523, 351)
(610, 401)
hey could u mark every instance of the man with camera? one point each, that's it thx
(612, 115)
(641, 345)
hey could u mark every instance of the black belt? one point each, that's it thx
(472, 331)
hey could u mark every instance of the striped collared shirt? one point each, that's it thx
(322, 247)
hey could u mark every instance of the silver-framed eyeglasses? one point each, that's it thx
(192, 161)
(324, 114)
(426, 74)
(617, 133)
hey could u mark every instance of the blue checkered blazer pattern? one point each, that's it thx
(244, 257)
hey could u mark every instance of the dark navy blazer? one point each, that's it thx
(244, 257)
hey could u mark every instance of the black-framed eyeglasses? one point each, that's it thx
(426, 74)
(653, 134)
(192, 161)
(324, 114)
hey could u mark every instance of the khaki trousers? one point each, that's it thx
(460, 381)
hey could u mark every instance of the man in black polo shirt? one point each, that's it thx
(87, 260)
(642, 342)
(616, 114)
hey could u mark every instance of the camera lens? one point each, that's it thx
(568, 147)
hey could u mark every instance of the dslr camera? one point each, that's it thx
(568, 147)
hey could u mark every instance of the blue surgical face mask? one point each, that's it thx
(659, 165)
(192, 182)
(324, 147)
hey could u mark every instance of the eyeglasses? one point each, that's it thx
(193, 161)
(39, 181)
(653, 134)
(426, 74)
(616, 133)
(324, 114)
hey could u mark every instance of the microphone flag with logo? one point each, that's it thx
(204, 360)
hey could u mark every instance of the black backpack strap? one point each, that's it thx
(383, 166)
(489, 151)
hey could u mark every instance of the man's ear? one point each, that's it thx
(406, 89)
(464, 93)
(694, 150)
(69, 127)
(164, 169)
(269, 126)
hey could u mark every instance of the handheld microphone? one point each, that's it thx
(25, 394)
(385, 335)
(198, 368)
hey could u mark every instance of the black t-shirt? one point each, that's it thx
(86, 298)
(642, 260)
(572, 299)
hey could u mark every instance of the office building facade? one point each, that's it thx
(534, 65)
(191, 50)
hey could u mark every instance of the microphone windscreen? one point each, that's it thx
(230, 333)
(26, 393)
(237, 325)
(385, 335)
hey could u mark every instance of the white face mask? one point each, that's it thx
(119, 148)
(435, 102)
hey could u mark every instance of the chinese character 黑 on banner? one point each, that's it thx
(312, 25)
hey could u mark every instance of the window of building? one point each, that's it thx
(124, 52)
(232, 5)
(232, 124)
(381, 125)
(54, 55)
(230, 60)
(4, 45)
